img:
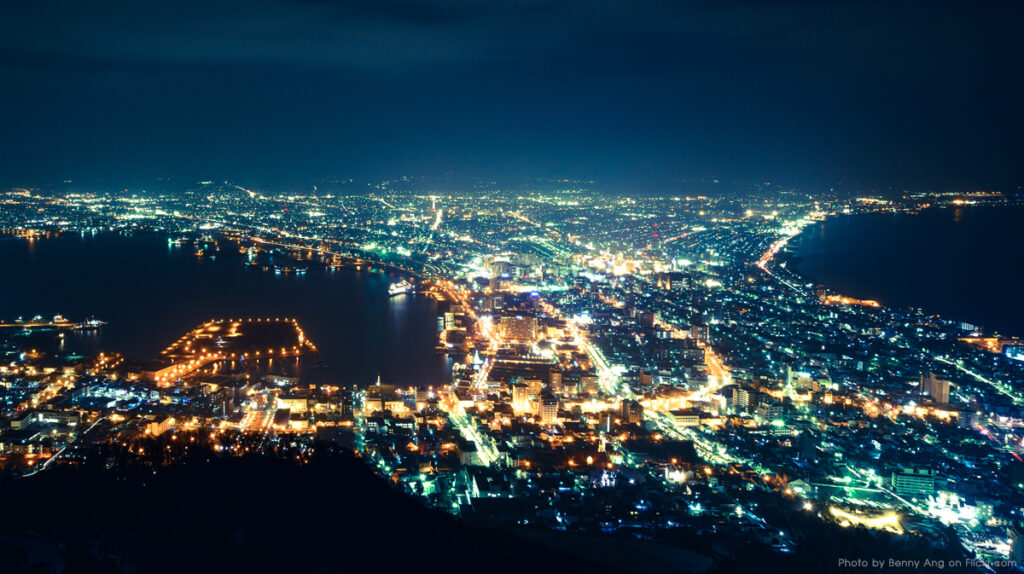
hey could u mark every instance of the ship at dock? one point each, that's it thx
(400, 288)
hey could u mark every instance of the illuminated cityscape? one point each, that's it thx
(511, 286)
(636, 366)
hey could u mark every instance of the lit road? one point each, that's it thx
(717, 370)
(342, 255)
(480, 380)
(998, 386)
(710, 450)
(607, 378)
(56, 455)
(464, 423)
(772, 252)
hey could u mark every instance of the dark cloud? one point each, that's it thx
(898, 93)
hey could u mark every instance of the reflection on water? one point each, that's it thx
(150, 292)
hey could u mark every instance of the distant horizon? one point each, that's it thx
(466, 183)
(662, 284)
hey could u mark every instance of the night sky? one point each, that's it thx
(916, 95)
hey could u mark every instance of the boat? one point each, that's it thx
(288, 270)
(90, 325)
(400, 288)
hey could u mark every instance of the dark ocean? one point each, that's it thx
(962, 263)
(151, 292)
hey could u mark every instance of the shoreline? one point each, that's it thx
(266, 294)
(796, 264)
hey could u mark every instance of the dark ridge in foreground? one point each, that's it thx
(259, 514)
(250, 515)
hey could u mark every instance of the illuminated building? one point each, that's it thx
(632, 412)
(742, 399)
(548, 409)
(686, 417)
(935, 388)
(383, 398)
(769, 410)
(910, 481)
(41, 416)
(519, 329)
(534, 386)
(520, 397)
(699, 331)
(1015, 352)
(1016, 535)
(160, 425)
(298, 422)
(452, 320)
(672, 281)
(296, 404)
(803, 381)
(589, 385)
(556, 382)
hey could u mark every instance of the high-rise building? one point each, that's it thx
(646, 378)
(548, 409)
(556, 382)
(935, 388)
(802, 380)
(911, 481)
(632, 412)
(742, 399)
(699, 331)
(589, 385)
(520, 396)
(646, 318)
(1015, 532)
(534, 386)
(519, 329)
(769, 409)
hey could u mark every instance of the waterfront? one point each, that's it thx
(963, 263)
(597, 377)
(151, 292)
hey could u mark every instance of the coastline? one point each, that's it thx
(810, 264)
(337, 308)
